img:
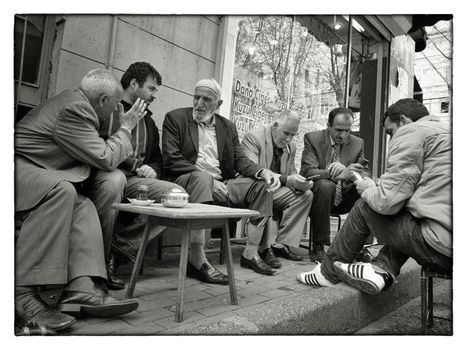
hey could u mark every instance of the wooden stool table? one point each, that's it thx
(193, 216)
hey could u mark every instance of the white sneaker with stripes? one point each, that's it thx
(314, 278)
(365, 277)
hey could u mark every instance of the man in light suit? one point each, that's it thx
(271, 147)
(60, 239)
(334, 155)
(201, 152)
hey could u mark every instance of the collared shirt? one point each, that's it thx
(139, 139)
(208, 157)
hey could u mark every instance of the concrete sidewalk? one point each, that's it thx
(266, 304)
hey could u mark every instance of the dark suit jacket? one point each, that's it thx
(59, 141)
(180, 146)
(153, 154)
(316, 156)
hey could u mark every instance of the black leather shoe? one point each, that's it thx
(364, 256)
(257, 265)
(207, 274)
(317, 254)
(34, 313)
(113, 282)
(286, 253)
(97, 304)
(269, 258)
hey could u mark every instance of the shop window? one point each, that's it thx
(31, 56)
(285, 62)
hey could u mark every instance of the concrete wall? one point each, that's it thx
(182, 48)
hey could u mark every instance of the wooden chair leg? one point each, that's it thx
(230, 270)
(159, 247)
(221, 255)
(182, 272)
(430, 302)
(423, 292)
(137, 267)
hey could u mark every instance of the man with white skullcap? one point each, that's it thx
(201, 152)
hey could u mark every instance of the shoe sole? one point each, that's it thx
(261, 272)
(109, 310)
(114, 287)
(362, 285)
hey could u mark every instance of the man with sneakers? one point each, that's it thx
(334, 155)
(271, 147)
(59, 241)
(410, 211)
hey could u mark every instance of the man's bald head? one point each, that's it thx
(103, 90)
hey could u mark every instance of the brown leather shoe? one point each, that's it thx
(34, 313)
(207, 274)
(257, 265)
(97, 304)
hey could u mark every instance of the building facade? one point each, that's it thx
(264, 64)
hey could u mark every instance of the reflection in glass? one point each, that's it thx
(32, 48)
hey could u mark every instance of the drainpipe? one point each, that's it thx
(113, 36)
(349, 58)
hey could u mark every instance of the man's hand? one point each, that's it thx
(298, 183)
(146, 171)
(220, 192)
(271, 178)
(362, 185)
(129, 119)
(335, 169)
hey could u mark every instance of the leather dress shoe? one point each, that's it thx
(364, 256)
(207, 273)
(97, 304)
(317, 254)
(36, 314)
(113, 282)
(286, 253)
(269, 258)
(257, 265)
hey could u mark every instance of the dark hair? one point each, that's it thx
(408, 107)
(339, 110)
(140, 71)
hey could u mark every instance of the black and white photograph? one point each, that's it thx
(223, 173)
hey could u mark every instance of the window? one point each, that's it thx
(28, 71)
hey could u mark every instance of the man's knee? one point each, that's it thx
(200, 180)
(324, 187)
(64, 189)
(113, 181)
(307, 196)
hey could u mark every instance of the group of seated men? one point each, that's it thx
(82, 150)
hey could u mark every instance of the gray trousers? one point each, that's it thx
(293, 209)
(60, 239)
(105, 188)
(401, 234)
(243, 193)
